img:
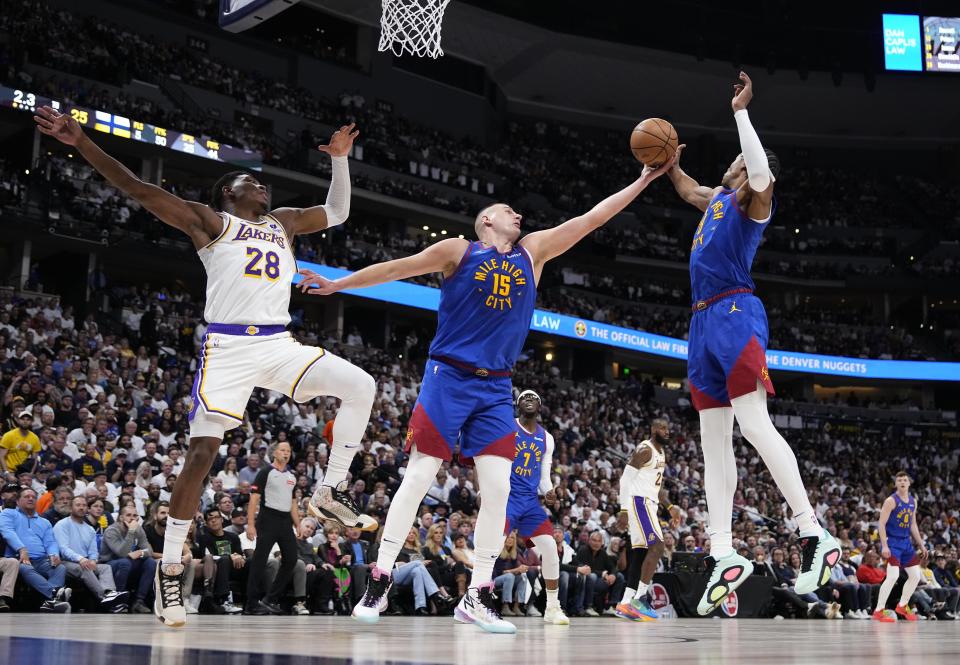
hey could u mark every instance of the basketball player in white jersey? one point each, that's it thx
(640, 492)
(247, 251)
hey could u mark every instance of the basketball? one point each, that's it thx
(653, 141)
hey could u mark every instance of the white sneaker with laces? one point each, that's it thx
(328, 503)
(590, 612)
(477, 607)
(555, 616)
(168, 595)
(300, 609)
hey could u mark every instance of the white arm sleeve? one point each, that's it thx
(337, 205)
(626, 480)
(758, 168)
(546, 465)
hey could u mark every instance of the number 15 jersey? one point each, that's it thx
(250, 268)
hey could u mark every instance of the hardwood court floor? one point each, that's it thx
(28, 639)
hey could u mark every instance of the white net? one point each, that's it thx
(412, 27)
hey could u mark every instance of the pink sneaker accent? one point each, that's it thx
(832, 558)
(732, 574)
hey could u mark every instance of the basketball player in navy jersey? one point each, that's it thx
(247, 252)
(726, 363)
(898, 525)
(486, 303)
(529, 478)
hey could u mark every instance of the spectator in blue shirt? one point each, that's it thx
(78, 548)
(30, 538)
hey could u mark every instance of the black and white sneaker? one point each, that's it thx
(62, 595)
(168, 592)
(112, 599)
(329, 503)
(477, 607)
(374, 599)
(58, 607)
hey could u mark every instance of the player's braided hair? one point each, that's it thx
(216, 193)
(774, 162)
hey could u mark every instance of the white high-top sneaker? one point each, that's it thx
(168, 592)
(555, 616)
(374, 599)
(477, 607)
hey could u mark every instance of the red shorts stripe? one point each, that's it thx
(422, 432)
(750, 367)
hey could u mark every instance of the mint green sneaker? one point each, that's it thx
(818, 556)
(725, 575)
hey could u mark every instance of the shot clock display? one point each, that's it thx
(123, 127)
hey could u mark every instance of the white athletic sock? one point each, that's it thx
(890, 581)
(553, 598)
(173, 539)
(339, 460)
(809, 526)
(421, 472)
(628, 595)
(755, 424)
(719, 477)
(641, 590)
(493, 473)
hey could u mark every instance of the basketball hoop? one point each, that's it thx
(412, 27)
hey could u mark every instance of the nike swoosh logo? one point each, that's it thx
(349, 447)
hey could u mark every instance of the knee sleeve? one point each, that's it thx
(549, 559)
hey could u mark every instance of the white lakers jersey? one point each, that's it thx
(649, 478)
(250, 269)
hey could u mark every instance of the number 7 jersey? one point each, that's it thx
(250, 268)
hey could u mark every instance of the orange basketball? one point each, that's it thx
(653, 141)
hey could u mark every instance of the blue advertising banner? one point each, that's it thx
(902, 48)
(425, 297)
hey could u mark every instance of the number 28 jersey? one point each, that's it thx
(250, 268)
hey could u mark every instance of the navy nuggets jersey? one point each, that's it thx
(724, 245)
(901, 519)
(527, 465)
(485, 308)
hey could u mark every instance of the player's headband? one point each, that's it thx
(528, 392)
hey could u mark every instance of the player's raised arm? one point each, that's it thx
(551, 243)
(336, 209)
(689, 189)
(443, 256)
(759, 176)
(198, 221)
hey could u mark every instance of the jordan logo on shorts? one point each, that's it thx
(733, 308)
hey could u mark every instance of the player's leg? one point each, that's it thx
(881, 613)
(306, 372)
(221, 388)
(913, 580)
(647, 510)
(636, 556)
(550, 567)
(743, 354)
(489, 437)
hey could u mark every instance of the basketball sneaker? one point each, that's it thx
(724, 576)
(818, 556)
(641, 606)
(906, 612)
(555, 616)
(627, 611)
(168, 595)
(885, 616)
(374, 600)
(477, 607)
(333, 503)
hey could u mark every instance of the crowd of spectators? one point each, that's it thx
(95, 421)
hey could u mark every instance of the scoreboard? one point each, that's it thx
(142, 132)
(921, 43)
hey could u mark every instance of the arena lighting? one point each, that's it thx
(548, 357)
(594, 332)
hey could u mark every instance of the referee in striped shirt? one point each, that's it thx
(274, 523)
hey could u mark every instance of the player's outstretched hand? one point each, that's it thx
(317, 285)
(742, 93)
(58, 125)
(651, 173)
(341, 141)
